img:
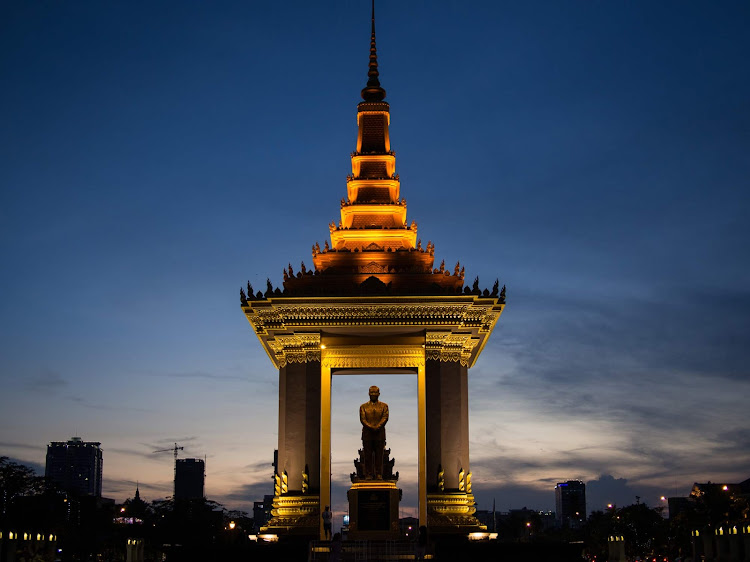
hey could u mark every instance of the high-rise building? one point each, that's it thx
(189, 478)
(76, 466)
(570, 502)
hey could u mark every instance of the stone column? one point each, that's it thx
(735, 545)
(616, 549)
(450, 503)
(708, 546)
(134, 550)
(745, 533)
(697, 545)
(447, 392)
(299, 425)
(295, 508)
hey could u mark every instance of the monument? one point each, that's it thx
(373, 497)
(373, 302)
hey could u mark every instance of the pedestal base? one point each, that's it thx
(294, 515)
(452, 513)
(373, 510)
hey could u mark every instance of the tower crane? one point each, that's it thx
(175, 449)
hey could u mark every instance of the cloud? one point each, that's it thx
(638, 385)
(600, 491)
(142, 454)
(122, 489)
(164, 441)
(246, 494)
(259, 466)
(513, 496)
(205, 375)
(607, 489)
(46, 380)
(27, 446)
(99, 406)
(39, 468)
(565, 338)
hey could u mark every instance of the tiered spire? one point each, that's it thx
(373, 250)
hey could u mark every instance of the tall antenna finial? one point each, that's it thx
(373, 91)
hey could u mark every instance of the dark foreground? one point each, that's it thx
(441, 551)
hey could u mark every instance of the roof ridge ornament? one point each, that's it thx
(373, 92)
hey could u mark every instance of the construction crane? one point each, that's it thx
(175, 449)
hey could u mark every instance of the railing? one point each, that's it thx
(356, 551)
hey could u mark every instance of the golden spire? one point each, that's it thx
(373, 91)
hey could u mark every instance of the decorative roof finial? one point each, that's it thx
(373, 91)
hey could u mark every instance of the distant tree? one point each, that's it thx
(521, 525)
(241, 519)
(191, 527)
(644, 529)
(713, 506)
(599, 527)
(16, 480)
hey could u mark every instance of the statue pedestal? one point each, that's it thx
(373, 510)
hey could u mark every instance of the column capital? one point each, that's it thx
(450, 347)
(295, 348)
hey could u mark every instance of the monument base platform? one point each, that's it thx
(373, 510)
(452, 513)
(294, 515)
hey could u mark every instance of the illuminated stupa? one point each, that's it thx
(373, 302)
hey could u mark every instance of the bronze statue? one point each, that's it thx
(374, 416)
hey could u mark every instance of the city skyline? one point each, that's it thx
(591, 157)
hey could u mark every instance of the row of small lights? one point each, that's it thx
(28, 536)
(729, 531)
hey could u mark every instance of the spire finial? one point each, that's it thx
(373, 91)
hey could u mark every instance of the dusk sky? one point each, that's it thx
(592, 155)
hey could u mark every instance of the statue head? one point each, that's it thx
(374, 393)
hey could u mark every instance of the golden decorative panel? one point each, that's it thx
(449, 347)
(295, 348)
(374, 357)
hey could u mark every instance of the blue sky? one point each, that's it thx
(592, 155)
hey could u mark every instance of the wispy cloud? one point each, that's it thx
(86, 403)
(46, 380)
(25, 446)
(35, 466)
(205, 375)
(246, 494)
(125, 488)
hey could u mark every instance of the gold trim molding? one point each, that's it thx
(295, 348)
(290, 328)
(294, 513)
(450, 347)
(283, 315)
(373, 357)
